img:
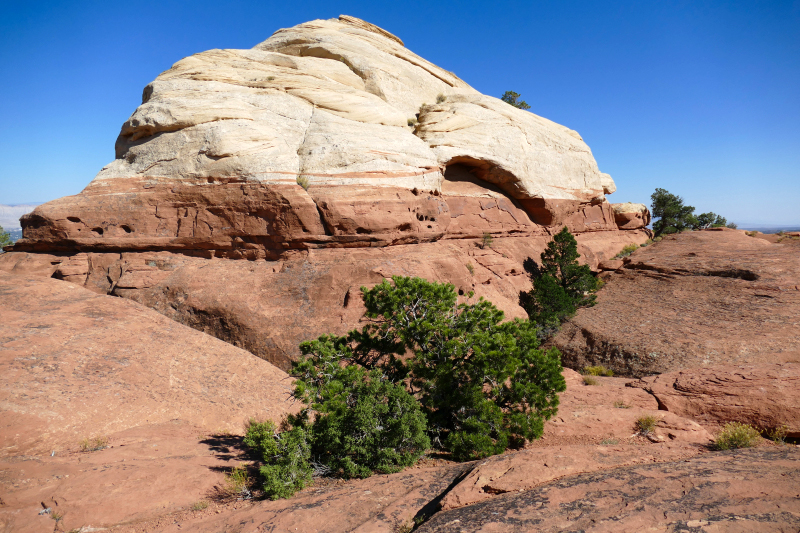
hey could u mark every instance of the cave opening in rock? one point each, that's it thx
(460, 177)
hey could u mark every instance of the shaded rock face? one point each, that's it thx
(269, 307)
(210, 162)
(692, 300)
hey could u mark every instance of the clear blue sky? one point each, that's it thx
(699, 98)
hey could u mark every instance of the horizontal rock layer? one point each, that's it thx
(269, 306)
(232, 219)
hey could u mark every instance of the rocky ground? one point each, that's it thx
(253, 192)
(171, 401)
(692, 300)
(168, 404)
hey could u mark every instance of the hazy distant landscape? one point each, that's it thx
(769, 229)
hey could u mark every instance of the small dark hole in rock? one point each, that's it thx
(99, 231)
(73, 219)
(126, 229)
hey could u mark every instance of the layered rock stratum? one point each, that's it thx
(212, 158)
(330, 156)
(172, 401)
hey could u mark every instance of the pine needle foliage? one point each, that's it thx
(512, 98)
(286, 456)
(361, 422)
(484, 384)
(424, 369)
(560, 284)
(5, 239)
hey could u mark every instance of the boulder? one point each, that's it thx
(696, 299)
(327, 134)
(610, 264)
(630, 215)
(766, 396)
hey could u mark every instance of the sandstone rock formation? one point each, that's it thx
(269, 307)
(763, 395)
(631, 216)
(77, 364)
(211, 160)
(327, 135)
(713, 297)
(752, 490)
(80, 365)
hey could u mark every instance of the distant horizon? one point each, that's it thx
(740, 225)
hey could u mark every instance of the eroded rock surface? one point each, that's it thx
(702, 298)
(746, 490)
(76, 364)
(269, 307)
(330, 133)
(765, 396)
(631, 216)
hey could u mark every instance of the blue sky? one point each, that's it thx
(699, 98)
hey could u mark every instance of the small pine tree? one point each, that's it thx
(484, 384)
(5, 239)
(361, 422)
(560, 285)
(710, 220)
(512, 98)
(672, 215)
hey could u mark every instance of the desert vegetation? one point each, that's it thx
(627, 250)
(425, 371)
(674, 217)
(5, 239)
(647, 424)
(734, 435)
(94, 444)
(512, 98)
(560, 285)
(598, 370)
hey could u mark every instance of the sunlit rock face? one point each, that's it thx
(330, 157)
(330, 133)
